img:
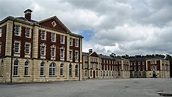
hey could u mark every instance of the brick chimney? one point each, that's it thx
(90, 51)
(28, 14)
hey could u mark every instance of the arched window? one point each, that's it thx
(15, 71)
(70, 70)
(26, 68)
(42, 68)
(76, 70)
(52, 69)
(61, 69)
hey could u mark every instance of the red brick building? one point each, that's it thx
(38, 51)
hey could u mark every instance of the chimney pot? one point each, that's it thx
(28, 14)
(90, 51)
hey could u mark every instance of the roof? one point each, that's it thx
(85, 54)
(105, 57)
(34, 22)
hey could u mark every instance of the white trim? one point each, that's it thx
(28, 49)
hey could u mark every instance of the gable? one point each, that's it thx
(94, 54)
(54, 23)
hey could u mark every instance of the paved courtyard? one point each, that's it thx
(90, 88)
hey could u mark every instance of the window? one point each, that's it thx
(42, 69)
(43, 35)
(62, 39)
(71, 41)
(0, 32)
(26, 68)
(53, 51)
(17, 30)
(76, 42)
(61, 69)
(28, 32)
(70, 70)
(27, 48)
(70, 54)
(0, 47)
(52, 69)
(43, 49)
(17, 47)
(53, 37)
(62, 53)
(76, 55)
(15, 71)
(76, 70)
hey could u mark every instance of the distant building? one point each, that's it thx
(38, 51)
(102, 66)
(149, 68)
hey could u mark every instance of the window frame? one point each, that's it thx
(62, 39)
(61, 69)
(70, 54)
(26, 68)
(53, 51)
(76, 42)
(42, 67)
(70, 70)
(28, 32)
(18, 48)
(28, 53)
(53, 37)
(15, 67)
(42, 49)
(62, 53)
(17, 30)
(43, 35)
(1, 32)
(52, 69)
(71, 42)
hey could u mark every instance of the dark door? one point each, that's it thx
(94, 74)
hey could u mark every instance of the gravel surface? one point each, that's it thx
(140, 87)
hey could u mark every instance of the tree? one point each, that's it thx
(112, 55)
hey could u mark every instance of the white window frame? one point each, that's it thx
(28, 32)
(61, 69)
(53, 37)
(53, 51)
(70, 54)
(43, 36)
(42, 66)
(16, 68)
(62, 39)
(76, 42)
(26, 68)
(41, 50)
(71, 42)
(17, 30)
(18, 51)
(76, 55)
(62, 53)
(52, 69)
(29, 49)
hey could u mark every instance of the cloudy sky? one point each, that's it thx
(119, 26)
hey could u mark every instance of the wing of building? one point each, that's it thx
(38, 51)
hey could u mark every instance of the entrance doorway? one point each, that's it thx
(94, 74)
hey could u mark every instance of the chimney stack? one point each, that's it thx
(28, 14)
(90, 51)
